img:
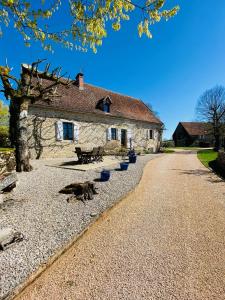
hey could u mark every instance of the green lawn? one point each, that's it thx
(167, 150)
(6, 149)
(206, 156)
(188, 148)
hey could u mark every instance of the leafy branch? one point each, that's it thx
(87, 26)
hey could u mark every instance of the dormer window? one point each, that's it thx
(106, 107)
(104, 104)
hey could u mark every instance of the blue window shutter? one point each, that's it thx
(109, 134)
(75, 132)
(59, 130)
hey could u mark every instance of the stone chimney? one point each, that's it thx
(80, 81)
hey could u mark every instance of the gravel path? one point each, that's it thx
(165, 241)
(48, 222)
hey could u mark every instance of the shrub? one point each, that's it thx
(4, 136)
(168, 144)
(138, 151)
(122, 152)
(148, 151)
(165, 150)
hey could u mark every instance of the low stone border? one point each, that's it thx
(49, 224)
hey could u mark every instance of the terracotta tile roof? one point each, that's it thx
(85, 101)
(195, 128)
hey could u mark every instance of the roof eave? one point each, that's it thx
(96, 113)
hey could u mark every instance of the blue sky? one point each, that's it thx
(185, 57)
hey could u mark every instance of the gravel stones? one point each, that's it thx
(47, 220)
(164, 241)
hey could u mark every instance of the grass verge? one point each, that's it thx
(167, 150)
(189, 148)
(6, 149)
(207, 156)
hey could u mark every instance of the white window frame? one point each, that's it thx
(60, 135)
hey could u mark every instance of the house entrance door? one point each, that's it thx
(123, 137)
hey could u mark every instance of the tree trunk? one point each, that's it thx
(20, 121)
(217, 143)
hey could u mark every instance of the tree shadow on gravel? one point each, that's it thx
(197, 172)
(60, 167)
(98, 180)
(215, 170)
(70, 163)
(185, 152)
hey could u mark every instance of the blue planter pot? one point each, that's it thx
(133, 159)
(124, 166)
(105, 175)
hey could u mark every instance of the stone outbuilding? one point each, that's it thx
(192, 134)
(87, 116)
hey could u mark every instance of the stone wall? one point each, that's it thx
(92, 132)
(7, 162)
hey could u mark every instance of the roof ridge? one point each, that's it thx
(192, 122)
(112, 91)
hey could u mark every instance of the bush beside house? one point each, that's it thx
(4, 126)
(7, 162)
(4, 136)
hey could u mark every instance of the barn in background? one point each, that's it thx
(192, 134)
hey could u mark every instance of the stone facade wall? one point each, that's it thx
(92, 132)
(7, 162)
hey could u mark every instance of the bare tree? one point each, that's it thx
(211, 109)
(150, 107)
(30, 87)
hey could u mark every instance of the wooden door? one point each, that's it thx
(123, 137)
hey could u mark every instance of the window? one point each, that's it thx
(104, 104)
(114, 135)
(67, 131)
(106, 107)
(150, 134)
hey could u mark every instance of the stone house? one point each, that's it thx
(192, 133)
(87, 116)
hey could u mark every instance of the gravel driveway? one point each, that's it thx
(47, 220)
(166, 240)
